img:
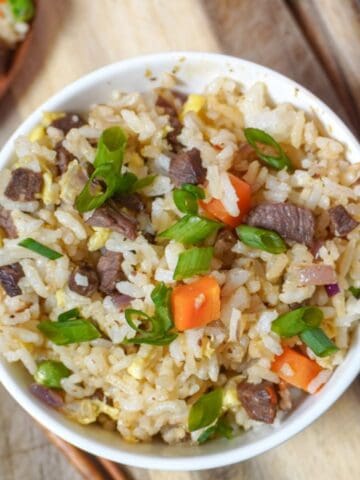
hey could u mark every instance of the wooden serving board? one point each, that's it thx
(317, 43)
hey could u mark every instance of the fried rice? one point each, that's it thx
(148, 390)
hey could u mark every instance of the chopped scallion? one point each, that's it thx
(317, 340)
(22, 10)
(39, 248)
(195, 261)
(294, 322)
(157, 329)
(191, 229)
(205, 410)
(50, 373)
(254, 136)
(111, 148)
(76, 330)
(260, 238)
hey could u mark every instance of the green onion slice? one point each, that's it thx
(77, 330)
(355, 292)
(255, 136)
(39, 248)
(22, 10)
(195, 261)
(196, 191)
(186, 197)
(87, 200)
(50, 373)
(111, 148)
(191, 229)
(158, 327)
(126, 182)
(221, 428)
(261, 238)
(161, 296)
(205, 410)
(143, 182)
(186, 202)
(295, 322)
(69, 315)
(317, 340)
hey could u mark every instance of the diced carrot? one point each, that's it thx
(295, 368)
(215, 208)
(196, 304)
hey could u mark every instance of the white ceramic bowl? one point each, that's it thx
(196, 70)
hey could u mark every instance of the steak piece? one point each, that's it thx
(24, 185)
(174, 121)
(5, 55)
(109, 217)
(224, 242)
(109, 271)
(84, 280)
(9, 279)
(186, 167)
(260, 400)
(6, 222)
(63, 158)
(289, 221)
(131, 201)
(67, 122)
(341, 222)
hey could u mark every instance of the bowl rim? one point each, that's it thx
(175, 463)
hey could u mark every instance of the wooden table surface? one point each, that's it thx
(317, 43)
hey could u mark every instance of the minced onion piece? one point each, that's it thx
(255, 136)
(317, 340)
(295, 322)
(39, 248)
(195, 261)
(260, 238)
(191, 229)
(332, 289)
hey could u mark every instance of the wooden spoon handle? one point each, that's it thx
(80, 460)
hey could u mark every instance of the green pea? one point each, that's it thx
(50, 373)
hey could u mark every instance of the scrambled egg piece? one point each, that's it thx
(87, 411)
(137, 368)
(98, 238)
(230, 398)
(194, 103)
(49, 117)
(206, 349)
(37, 134)
(60, 298)
(49, 196)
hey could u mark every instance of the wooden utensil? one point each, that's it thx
(91, 468)
(17, 59)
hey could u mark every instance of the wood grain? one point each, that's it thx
(73, 37)
(269, 35)
(332, 28)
